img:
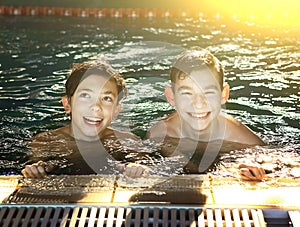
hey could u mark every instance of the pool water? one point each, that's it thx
(262, 68)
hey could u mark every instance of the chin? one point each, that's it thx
(199, 129)
(91, 135)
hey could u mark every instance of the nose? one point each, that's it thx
(200, 102)
(96, 106)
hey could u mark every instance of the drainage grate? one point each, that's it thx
(50, 216)
(295, 217)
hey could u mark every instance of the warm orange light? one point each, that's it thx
(267, 12)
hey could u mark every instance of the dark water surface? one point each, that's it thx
(262, 67)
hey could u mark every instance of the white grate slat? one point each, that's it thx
(295, 217)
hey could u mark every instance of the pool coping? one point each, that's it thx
(191, 190)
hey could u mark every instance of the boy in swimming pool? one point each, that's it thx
(198, 91)
(93, 94)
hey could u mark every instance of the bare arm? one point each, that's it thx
(238, 132)
(41, 147)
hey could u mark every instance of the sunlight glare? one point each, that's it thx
(265, 12)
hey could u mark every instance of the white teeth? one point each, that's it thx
(199, 115)
(93, 120)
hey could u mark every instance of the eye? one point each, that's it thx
(210, 92)
(107, 99)
(84, 95)
(186, 93)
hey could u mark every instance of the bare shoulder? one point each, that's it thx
(45, 144)
(114, 133)
(238, 132)
(158, 130)
(167, 127)
(52, 135)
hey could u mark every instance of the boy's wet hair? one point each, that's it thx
(197, 59)
(80, 71)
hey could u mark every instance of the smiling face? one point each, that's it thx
(198, 99)
(93, 106)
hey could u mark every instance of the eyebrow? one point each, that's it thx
(105, 92)
(84, 89)
(211, 87)
(184, 88)
(109, 93)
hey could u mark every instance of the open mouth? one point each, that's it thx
(93, 120)
(199, 115)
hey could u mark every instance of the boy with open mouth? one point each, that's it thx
(94, 91)
(199, 126)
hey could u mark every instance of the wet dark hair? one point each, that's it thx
(80, 71)
(196, 59)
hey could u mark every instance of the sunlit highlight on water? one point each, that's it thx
(267, 12)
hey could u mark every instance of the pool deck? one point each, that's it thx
(194, 190)
(191, 200)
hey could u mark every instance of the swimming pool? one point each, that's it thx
(262, 68)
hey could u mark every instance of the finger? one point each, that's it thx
(24, 172)
(28, 171)
(146, 171)
(139, 171)
(127, 172)
(41, 171)
(263, 172)
(247, 178)
(243, 166)
(33, 171)
(255, 172)
(130, 172)
(246, 174)
(48, 168)
(134, 171)
(41, 163)
(121, 167)
(258, 172)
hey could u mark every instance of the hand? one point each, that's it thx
(36, 170)
(134, 170)
(251, 172)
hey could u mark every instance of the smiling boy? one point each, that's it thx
(94, 103)
(198, 92)
(93, 94)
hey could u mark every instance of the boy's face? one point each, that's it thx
(198, 99)
(93, 107)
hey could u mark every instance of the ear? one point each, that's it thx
(117, 111)
(170, 95)
(66, 104)
(225, 93)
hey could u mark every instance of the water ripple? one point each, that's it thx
(262, 69)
